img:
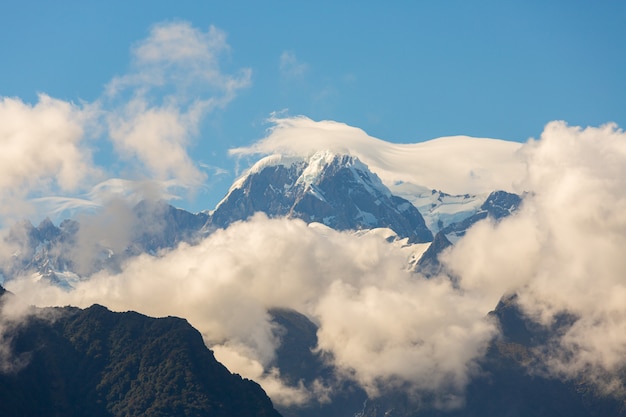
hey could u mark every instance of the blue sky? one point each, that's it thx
(403, 71)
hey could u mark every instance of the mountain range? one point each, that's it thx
(97, 362)
(336, 190)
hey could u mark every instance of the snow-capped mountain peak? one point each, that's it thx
(335, 189)
(268, 161)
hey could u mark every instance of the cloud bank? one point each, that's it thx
(381, 324)
(563, 252)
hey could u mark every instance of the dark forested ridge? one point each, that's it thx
(95, 362)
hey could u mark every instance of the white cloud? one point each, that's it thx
(151, 115)
(240, 360)
(43, 150)
(101, 194)
(382, 324)
(456, 165)
(158, 138)
(290, 66)
(383, 327)
(420, 332)
(174, 82)
(13, 314)
(563, 252)
(183, 58)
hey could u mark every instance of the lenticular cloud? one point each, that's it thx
(457, 164)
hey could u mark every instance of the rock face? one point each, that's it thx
(94, 362)
(162, 226)
(336, 190)
(300, 364)
(429, 264)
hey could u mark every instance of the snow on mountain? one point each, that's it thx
(335, 189)
(356, 182)
(66, 254)
(268, 161)
(447, 179)
(497, 205)
(438, 208)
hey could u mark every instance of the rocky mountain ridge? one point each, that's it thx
(333, 189)
(336, 190)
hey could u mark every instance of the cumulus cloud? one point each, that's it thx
(456, 165)
(240, 359)
(380, 323)
(422, 335)
(174, 81)
(181, 58)
(563, 252)
(158, 139)
(43, 150)
(151, 115)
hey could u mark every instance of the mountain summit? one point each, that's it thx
(334, 189)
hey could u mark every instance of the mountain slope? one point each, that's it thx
(99, 363)
(336, 190)
(299, 363)
(64, 254)
(429, 264)
(504, 387)
(498, 205)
